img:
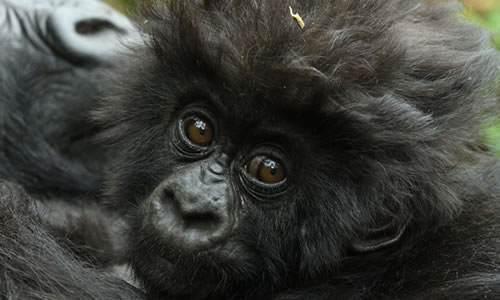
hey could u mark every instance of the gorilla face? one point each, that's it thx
(52, 54)
(254, 156)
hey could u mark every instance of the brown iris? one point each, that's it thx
(266, 169)
(199, 131)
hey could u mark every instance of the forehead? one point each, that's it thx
(262, 65)
(273, 99)
(249, 112)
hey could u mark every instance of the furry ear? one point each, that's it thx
(380, 234)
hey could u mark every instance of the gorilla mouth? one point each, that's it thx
(178, 278)
(227, 252)
(197, 275)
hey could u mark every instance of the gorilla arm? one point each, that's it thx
(33, 265)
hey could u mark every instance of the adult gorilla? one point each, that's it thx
(52, 55)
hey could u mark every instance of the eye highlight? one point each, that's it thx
(266, 169)
(199, 131)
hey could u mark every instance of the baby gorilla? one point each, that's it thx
(332, 153)
(256, 159)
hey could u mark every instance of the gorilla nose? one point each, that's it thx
(194, 214)
(193, 217)
(91, 33)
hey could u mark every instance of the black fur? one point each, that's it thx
(35, 266)
(44, 126)
(58, 235)
(378, 104)
(382, 103)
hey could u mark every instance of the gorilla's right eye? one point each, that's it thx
(266, 169)
(198, 131)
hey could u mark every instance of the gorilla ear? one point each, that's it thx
(379, 235)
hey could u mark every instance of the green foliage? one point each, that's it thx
(492, 135)
(122, 5)
(492, 21)
(489, 20)
(129, 3)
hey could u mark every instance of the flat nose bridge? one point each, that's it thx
(194, 194)
(203, 197)
(192, 213)
(214, 170)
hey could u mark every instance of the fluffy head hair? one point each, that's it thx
(386, 95)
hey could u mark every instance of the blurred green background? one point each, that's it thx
(484, 12)
(122, 5)
(487, 14)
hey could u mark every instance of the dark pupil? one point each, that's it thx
(271, 165)
(202, 126)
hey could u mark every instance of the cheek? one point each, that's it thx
(139, 167)
(266, 231)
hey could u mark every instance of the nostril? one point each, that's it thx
(95, 26)
(168, 194)
(201, 221)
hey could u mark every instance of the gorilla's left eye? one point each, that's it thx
(266, 169)
(198, 130)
